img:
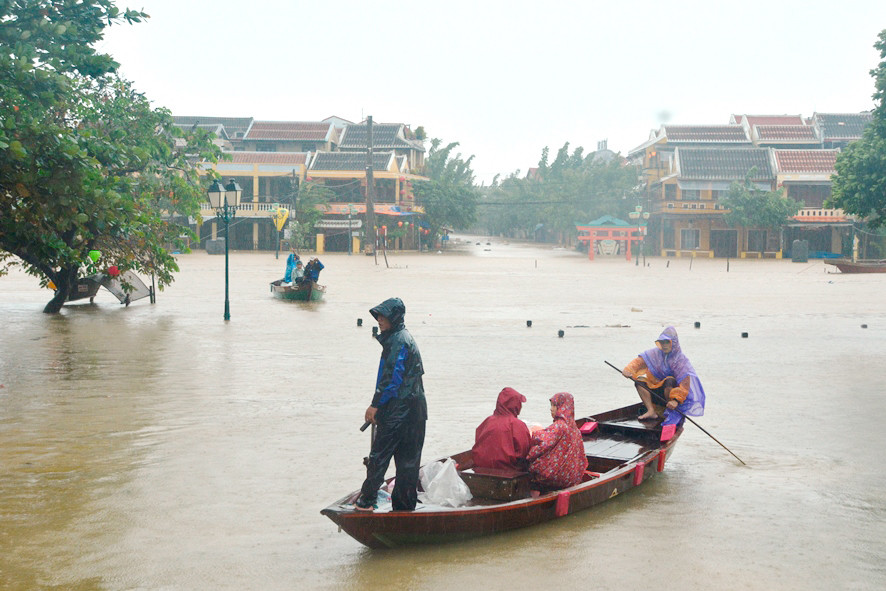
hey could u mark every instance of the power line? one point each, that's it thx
(522, 202)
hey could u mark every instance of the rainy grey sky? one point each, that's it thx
(504, 78)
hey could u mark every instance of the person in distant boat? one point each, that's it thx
(312, 269)
(502, 440)
(557, 457)
(399, 410)
(666, 372)
(291, 262)
(298, 274)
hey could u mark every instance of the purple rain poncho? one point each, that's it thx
(676, 364)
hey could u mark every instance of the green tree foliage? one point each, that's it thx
(85, 162)
(573, 188)
(859, 187)
(751, 208)
(449, 197)
(311, 198)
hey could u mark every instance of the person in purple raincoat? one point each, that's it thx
(666, 372)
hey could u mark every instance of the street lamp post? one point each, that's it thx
(637, 214)
(225, 199)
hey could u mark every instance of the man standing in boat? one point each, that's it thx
(398, 409)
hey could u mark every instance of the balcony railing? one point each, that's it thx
(820, 214)
(250, 210)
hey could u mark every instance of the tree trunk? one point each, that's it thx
(64, 281)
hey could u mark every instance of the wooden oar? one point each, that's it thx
(663, 401)
(371, 441)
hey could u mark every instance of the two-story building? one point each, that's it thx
(805, 176)
(686, 202)
(386, 137)
(687, 169)
(273, 160)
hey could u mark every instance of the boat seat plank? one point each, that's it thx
(632, 425)
(613, 448)
(500, 484)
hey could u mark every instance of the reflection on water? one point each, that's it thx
(158, 447)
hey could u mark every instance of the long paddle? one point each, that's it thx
(371, 441)
(662, 400)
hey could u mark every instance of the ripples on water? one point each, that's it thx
(157, 446)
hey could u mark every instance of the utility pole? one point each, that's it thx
(370, 191)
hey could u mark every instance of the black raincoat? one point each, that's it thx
(398, 387)
(402, 411)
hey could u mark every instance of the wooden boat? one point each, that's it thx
(622, 453)
(858, 266)
(308, 291)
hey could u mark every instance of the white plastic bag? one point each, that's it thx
(443, 485)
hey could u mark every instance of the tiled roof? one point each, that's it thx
(268, 157)
(232, 124)
(384, 135)
(786, 133)
(753, 120)
(351, 161)
(842, 126)
(710, 134)
(806, 161)
(289, 130)
(723, 163)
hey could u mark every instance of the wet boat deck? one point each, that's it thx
(622, 439)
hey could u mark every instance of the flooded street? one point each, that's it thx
(159, 447)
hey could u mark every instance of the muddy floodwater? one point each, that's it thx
(159, 447)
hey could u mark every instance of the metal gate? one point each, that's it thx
(724, 243)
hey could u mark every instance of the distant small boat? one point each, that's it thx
(307, 291)
(622, 453)
(859, 266)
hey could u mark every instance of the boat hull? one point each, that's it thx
(305, 292)
(441, 525)
(849, 266)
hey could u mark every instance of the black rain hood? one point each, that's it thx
(394, 310)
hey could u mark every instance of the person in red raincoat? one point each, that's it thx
(502, 440)
(557, 457)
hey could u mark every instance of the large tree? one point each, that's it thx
(86, 163)
(752, 208)
(859, 187)
(572, 188)
(309, 199)
(449, 197)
